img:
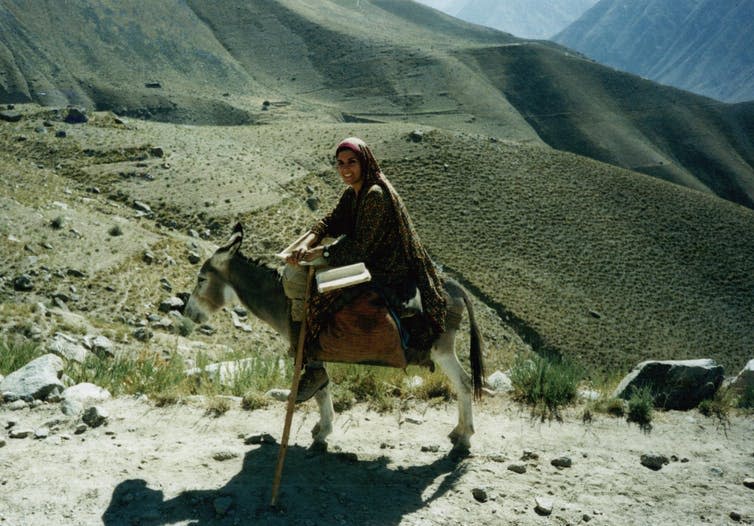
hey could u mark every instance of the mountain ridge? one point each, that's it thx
(697, 45)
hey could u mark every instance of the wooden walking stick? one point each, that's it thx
(294, 392)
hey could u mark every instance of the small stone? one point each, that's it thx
(749, 483)
(480, 494)
(653, 461)
(17, 405)
(517, 468)
(529, 455)
(10, 116)
(81, 428)
(586, 517)
(414, 420)
(500, 382)
(313, 203)
(76, 116)
(20, 433)
(172, 303)
(561, 462)
(42, 432)
(23, 283)
(143, 334)
(2, 442)
(543, 506)
(262, 438)
(194, 258)
(431, 449)
(221, 456)
(148, 257)
(95, 416)
(142, 207)
(735, 516)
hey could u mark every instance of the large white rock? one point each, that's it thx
(674, 384)
(36, 379)
(745, 379)
(67, 347)
(76, 397)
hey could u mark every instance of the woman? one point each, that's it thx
(372, 226)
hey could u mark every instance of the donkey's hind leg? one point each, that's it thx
(323, 428)
(446, 358)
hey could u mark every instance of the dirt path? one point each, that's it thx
(178, 465)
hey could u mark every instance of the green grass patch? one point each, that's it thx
(641, 408)
(16, 352)
(545, 383)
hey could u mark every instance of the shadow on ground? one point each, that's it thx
(317, 488)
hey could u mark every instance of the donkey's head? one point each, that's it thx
(213, 290)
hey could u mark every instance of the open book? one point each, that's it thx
(339, 277)
(331, 278)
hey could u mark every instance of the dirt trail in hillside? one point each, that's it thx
(179, 465)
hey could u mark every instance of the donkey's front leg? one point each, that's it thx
(323, 428)
(444, 355)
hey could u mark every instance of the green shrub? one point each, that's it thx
(217, 406)
(17, 352)
(718, 408)
(545, 383)
(615, 407)
(145, 373)
(185, 326)
(640, 408)
(254, 400)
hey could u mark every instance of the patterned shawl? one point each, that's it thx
(422, 268)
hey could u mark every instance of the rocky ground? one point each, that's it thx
(180, 465)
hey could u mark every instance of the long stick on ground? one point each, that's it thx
(294, 392)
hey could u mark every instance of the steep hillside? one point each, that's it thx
(523, 18)
(582, 107)
(576, 256)
(702, 46)
(579, 256)
(236, 62)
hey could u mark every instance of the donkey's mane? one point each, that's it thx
(260, 266)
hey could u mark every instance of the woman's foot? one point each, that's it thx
(313, 379)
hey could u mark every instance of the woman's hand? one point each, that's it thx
(299, 253)
(305, 254)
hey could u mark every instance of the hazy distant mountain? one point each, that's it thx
(523, 18)
(704, 46)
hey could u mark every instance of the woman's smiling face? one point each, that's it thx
(349, 168)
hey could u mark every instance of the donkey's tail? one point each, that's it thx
(475, 352)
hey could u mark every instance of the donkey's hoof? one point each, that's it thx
(459, 453)
(459, 440)
(317, 447)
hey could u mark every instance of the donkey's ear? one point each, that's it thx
(235, 240)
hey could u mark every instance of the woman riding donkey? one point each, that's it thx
(371, 225)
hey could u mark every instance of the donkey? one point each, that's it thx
(260, 289)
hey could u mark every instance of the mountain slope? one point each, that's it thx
(582, 257)
(582, 107)
(698, 45)
(523, 18)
